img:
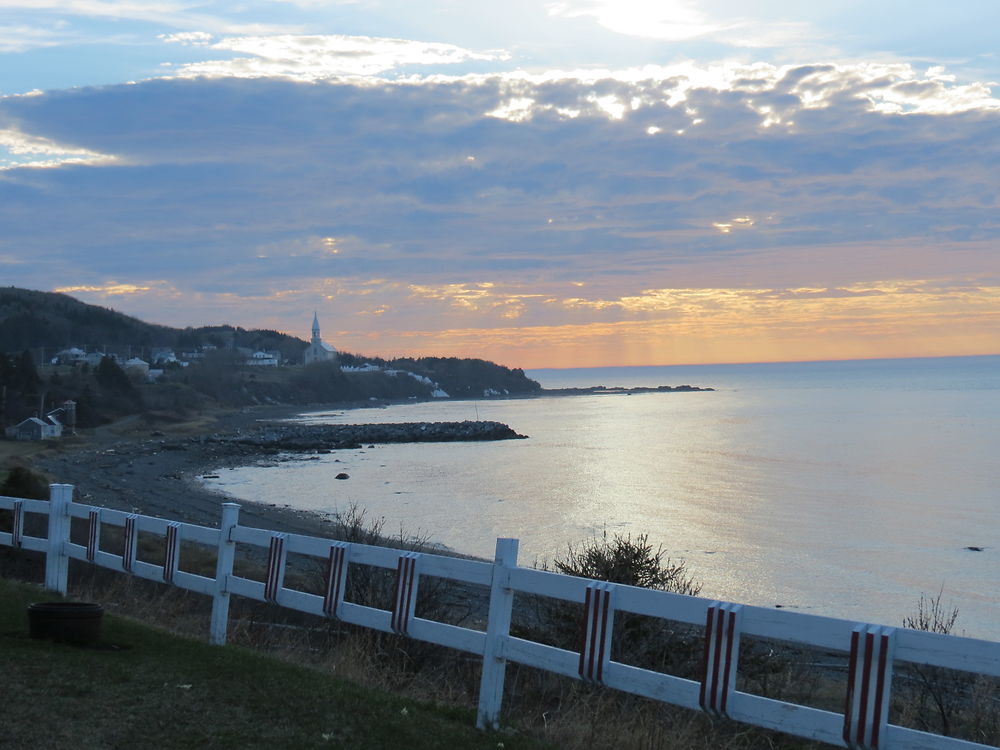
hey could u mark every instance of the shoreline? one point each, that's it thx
(151, 463)
(152, 467)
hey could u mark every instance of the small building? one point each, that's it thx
(163, 356)
(263, 359)
(137, 365)
(94, 358)
(318, 350)
(34, 428)
(71, 356)
(64, 415)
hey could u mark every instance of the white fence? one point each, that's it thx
(870, 651)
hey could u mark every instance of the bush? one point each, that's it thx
(633, 562)
(23, 482)
(647, 642)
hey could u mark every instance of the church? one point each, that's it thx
(318, 350)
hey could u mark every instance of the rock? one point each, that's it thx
(342, 475)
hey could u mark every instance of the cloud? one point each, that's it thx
(671, 20)
(725, 196)
(112, 289)
(686, 21)
(19, 150)
(316, 57)
(184, 14)
(23, 37)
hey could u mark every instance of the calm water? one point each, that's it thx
(840, 488)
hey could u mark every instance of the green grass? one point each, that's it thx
(140, 687)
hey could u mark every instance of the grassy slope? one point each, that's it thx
(141, 687)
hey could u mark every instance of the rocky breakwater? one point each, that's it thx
(323, 438)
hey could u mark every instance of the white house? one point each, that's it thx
(71, 356)
(139, 365)
(263, 359)
(318, 350)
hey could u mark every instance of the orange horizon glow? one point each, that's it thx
(521, 327)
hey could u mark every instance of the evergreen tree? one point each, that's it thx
(112, 378)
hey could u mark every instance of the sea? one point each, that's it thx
(849, 489)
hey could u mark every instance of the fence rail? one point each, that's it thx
(871, 650)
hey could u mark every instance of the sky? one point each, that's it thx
(542, 183)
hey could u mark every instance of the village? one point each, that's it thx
(60, 390)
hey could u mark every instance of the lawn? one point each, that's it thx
(140, 687)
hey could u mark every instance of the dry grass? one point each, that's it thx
(565, 712)
(561, 711)
(140, 687)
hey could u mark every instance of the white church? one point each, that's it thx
(318, 350)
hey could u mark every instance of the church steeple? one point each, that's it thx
(318, 350)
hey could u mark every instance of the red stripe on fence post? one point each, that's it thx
(721, 656)
(588, 596)
(881, 694)
(707, 665)
(866, 674)
(17, 524)
(598, 623)
(868, 684)
(717, 666)
(729, 671)
(275, 568)
(336, 578)
(129, 542)
(93, 534)
(171, 552)
(406, 592)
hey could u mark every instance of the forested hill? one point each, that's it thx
(34, 326)
(51, 321)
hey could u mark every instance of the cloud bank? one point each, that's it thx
(647, 215)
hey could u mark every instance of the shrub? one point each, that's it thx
(23, 482)
(646, 642)
(633, 562)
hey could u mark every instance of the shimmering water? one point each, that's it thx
(840, 488)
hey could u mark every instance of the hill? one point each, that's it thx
(45, 322)
(35, 325)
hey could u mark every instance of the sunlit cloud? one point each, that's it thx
(739, 222)
(316, 58)
(19, 150)
(670, 20)
(114, 289)
(479, 297)
(309, 246)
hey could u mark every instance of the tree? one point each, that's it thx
(25, 377)
(112, 378)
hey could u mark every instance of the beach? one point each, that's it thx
(152, 466)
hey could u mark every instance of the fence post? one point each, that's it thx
(223, 570)
(56, 560)
(497, 632)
